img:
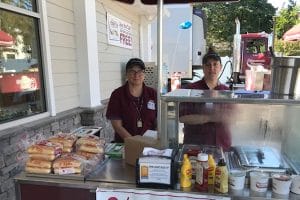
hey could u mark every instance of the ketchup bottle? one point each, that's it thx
(201, 182)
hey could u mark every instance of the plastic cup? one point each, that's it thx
(259, 181)
(237, 179)
(281, 184)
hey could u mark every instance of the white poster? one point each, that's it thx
(119, 32)
(132, 194)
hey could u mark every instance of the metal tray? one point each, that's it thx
(263, 157)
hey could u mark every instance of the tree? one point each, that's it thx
(254, 16)
(287, 18)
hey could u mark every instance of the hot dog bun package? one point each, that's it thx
(45, 150)
(72, 163)
(38, 166)
(68, 164)
(41, 156)
(90, 144)
(64, 153)
(66, 139)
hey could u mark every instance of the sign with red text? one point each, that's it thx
(19, 82)
(134, 194)
(119, 32)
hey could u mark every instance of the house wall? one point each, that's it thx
(66, 80)
(62, 36)
(112, 59)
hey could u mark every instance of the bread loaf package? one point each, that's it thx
(46, 157)
(91, 140)
(71, 170)
(66, 139)
(90, 144)
(69, 164)
(89, 156)
(38, 163)
(38, 170)
(45, 147)
(97, 149)
(38, 166)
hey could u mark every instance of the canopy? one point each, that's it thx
(293, 34)
(6, 39)
(151, 2)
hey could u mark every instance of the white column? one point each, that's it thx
(87, 52)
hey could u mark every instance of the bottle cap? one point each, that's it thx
(222, 162)
(202, 157)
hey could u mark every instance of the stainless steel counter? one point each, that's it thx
(237, 96)
(117, 174)
(114, 171)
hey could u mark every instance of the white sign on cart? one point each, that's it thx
(132, 194)
(119, 32)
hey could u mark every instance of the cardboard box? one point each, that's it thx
(134, 147)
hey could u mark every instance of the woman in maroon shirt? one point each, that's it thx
(203, 124)
(132, 108)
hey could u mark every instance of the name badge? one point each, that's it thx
(151, 105)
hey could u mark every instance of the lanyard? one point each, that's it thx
(138, 108)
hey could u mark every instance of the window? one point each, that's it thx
(255, 46)
(21, 80)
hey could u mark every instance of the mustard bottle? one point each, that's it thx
(211, 169)
(221, 177)
(186, 172)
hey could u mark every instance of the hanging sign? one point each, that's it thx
(133, 194)
(119, 32)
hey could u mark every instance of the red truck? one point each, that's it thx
(254, 50)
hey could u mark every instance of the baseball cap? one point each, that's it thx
(211, 55)
(135, 62)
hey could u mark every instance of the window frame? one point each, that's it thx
(41, 16)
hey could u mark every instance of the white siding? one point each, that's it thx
(63, 53)
(112, 59)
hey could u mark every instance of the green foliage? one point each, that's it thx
(288, 48)
(254, 16)
(287, 18)
(16, 24)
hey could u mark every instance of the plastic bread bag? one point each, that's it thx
(46, 148)
(92, 163)
(66, 139)
(90, 140)
(38, 166)
(90, 144)
(69, 163)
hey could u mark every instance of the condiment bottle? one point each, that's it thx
(186, 172)
(211, 169)
(221, 177)
(201, 182)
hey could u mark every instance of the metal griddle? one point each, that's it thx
(262, 157)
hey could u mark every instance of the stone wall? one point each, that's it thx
(14, 141)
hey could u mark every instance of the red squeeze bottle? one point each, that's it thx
(201, 182)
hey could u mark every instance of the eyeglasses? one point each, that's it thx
(133, 72)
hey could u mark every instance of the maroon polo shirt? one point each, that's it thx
(211, 133)
(123, 106)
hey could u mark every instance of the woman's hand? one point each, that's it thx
(118, 127)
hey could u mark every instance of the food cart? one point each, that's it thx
(114, 174)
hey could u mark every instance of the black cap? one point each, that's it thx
(211, 55)
(135, 62)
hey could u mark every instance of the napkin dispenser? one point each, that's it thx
(155, 172)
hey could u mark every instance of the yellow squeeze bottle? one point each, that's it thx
(221, 177)
(211, 169)
(186, 172)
